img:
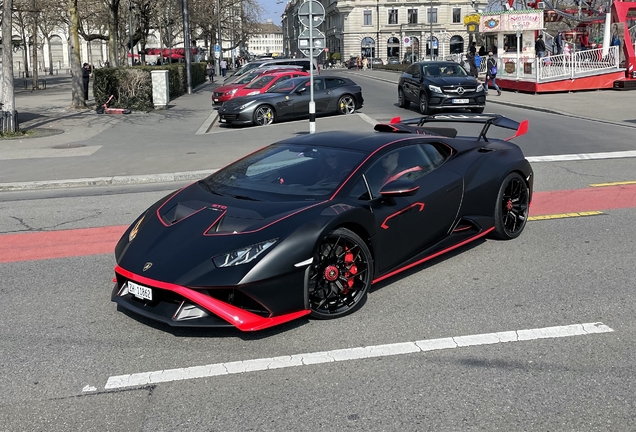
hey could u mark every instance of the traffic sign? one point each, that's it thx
(317, 13)
(318, 42)
(217, 48)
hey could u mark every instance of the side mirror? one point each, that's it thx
(301, 90)
(399, 188)
(416, 76)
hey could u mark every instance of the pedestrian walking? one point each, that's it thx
(491, 73)
(365, 63)
(223, 67)
(539, 47)
(558, 43)
(472, 64)
(209, 69)
(86, 76)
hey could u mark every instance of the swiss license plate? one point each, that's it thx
(139, 291)
(460, 101)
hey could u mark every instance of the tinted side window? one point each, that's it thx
(404, 163)
(413, 69)
(319, 84)
(334, 82)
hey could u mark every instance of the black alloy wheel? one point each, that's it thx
(346, 104)
(424, 104)
(402, 102)
(340, 275)
(264, 115)
(511, 210)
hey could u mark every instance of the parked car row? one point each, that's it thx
(269, 92)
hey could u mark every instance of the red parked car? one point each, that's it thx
(227, 91)
(261, 84)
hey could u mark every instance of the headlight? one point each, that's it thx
(254, 92)
(480, 87)
(434, 89)
(243, 255)
(133, 232)
(231, 92)
(245, 105)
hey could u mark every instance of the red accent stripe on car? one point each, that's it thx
(430, 257)
(241, 319)
(385, 226)
(59, 244)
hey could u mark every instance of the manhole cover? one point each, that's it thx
(68, 146)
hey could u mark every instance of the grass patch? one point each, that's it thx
(15, 135)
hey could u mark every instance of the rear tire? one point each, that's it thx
(511, 209)
(340, 275)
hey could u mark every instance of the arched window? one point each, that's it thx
(57, 52)
(456, 44)
(412, 52)
(367, 47)
(393, 48)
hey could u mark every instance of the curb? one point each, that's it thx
(106, 181)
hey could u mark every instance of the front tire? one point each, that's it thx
(424, 108)
(346, 105)
(264, 115)
(511, 210)
(402, 101)
(340, 275)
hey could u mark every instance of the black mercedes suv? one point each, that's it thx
(437, 85)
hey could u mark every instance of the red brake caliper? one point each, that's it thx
(351, 269)
(509, 205)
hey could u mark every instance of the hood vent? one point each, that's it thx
(182, 210)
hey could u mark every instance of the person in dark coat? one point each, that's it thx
(86, 76)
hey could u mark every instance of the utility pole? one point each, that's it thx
(217, 62)
(186, 45)
(34, 53)
(132, 55)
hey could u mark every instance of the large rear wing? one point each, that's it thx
(419, 125)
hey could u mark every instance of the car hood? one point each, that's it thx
(186, 230)
(237, 102)
(451, 81)
(226, 88)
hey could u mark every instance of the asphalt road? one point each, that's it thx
(62, 339)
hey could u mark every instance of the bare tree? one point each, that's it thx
(52, 17)
(77, 86)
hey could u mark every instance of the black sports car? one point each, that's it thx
(440, 85)
(306, 225)
(290, 99)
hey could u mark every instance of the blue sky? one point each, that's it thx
(272, 9)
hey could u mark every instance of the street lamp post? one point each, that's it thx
(130, 8)
(431, 23)
(217, 62)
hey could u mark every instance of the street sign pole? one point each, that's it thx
(312, 104)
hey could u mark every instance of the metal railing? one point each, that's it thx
(577, 64)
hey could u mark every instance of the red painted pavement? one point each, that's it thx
(59, 244)
(579, 200)
(102, 240)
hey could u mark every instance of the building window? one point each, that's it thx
(432, 15)
(367, 18)
(412, 16)
(457, 15)
(393, 16)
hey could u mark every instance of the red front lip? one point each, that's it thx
(241, 319)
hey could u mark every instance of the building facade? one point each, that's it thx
(266, 40)
(397, 29)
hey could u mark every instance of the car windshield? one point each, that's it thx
(248, 67)
(247, 78)
(444, 70)
(261, 82)
(290, 171)
(285, 86)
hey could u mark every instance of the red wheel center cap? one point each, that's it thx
(509, 205)
(331, 273)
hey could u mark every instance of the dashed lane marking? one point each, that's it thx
(422, 346)
(564, 215)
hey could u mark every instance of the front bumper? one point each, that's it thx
(443, 101)
(180, 306)
(235, 118)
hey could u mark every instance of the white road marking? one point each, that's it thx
(262, 364)
(33, 153)
(367, 119)
(583, 156)
(207, 124)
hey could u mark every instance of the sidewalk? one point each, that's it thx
(82, 148)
